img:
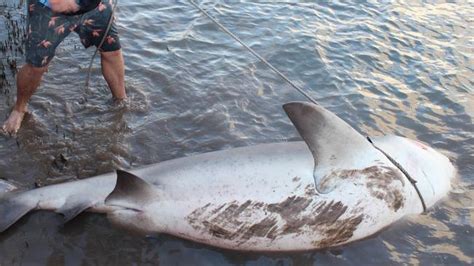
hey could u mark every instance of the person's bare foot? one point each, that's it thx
(13, 122)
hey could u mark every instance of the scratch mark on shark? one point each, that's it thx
(341, 231)
(294, 215)
(381, 182)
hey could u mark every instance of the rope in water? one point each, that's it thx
(111, 19)
(255, 53)
(412, 181)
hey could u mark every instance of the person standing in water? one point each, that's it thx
(49, 22)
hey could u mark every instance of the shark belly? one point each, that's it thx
(263, 198)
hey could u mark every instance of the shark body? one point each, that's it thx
(334, 188)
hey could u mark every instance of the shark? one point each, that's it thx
(334, 187)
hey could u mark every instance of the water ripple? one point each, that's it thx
(384, 67)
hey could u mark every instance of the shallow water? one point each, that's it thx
(384, 68)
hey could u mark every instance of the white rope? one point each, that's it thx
(111, 19)
(255, 53)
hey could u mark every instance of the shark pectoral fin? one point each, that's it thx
(333, 143)
(130, 192)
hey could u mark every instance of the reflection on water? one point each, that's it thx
(385, 68)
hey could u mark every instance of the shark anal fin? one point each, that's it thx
(130, 191)
(73, 207)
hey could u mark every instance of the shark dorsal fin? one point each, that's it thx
(130, 191)
(333, 143)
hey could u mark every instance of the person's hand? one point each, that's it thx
(64, 6)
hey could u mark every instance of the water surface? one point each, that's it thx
(384, 68)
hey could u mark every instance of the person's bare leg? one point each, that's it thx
(28, 80)
(113, 69)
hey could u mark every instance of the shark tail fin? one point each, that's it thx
(15, 204)
(12, 208)
(6, 186)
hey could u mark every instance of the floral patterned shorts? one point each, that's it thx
(46, 30)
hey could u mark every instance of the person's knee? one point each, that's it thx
(34, 70)
(111, 55)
